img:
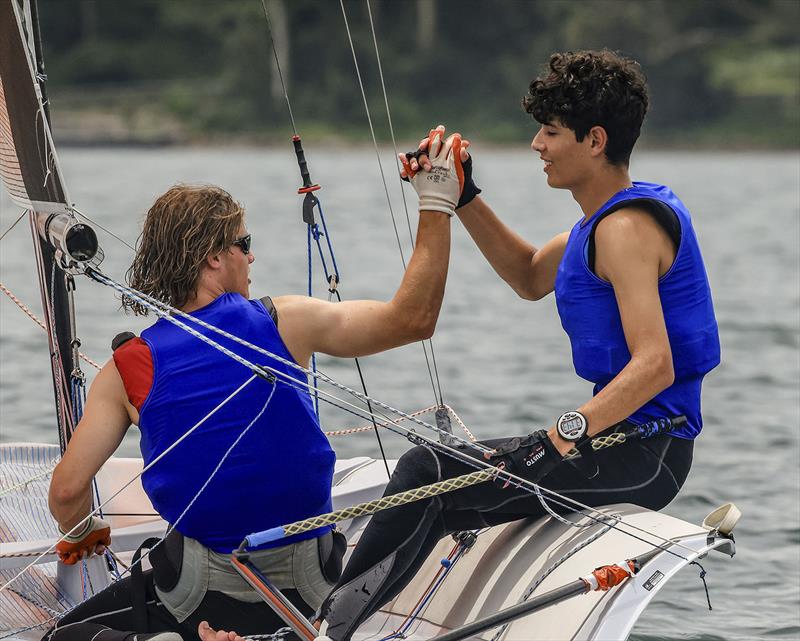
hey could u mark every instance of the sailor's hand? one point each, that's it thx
(418, 159)
(439, 188)
(532, 457)
(92, 538)
(207, 633)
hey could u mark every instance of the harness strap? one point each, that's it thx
(139, 586)
(266, 301)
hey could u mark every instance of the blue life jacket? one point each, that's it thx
(280, 472)
(590, 316)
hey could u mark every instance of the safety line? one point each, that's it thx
(162, 308)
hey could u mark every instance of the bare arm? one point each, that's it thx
(632, 253)
(530, 272)
(105, 420)
(360, 327)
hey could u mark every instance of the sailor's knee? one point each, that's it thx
(418, 466)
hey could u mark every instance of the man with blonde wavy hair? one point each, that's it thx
(195, 254)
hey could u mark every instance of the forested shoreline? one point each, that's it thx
(722, 73)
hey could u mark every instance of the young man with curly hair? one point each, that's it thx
(259, 458)
(634, 299)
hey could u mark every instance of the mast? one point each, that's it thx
(30, 170)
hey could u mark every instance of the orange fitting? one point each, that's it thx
(306, 190)
(609, 576)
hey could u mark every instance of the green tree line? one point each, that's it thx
(721, 72)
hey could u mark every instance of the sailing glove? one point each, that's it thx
(470, 189)
(532, 457)
(440, 188)
(96, 533)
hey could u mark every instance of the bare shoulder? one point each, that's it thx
(292, 302)
(631, 236)
(628, 225)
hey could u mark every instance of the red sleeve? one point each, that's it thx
(135, 365)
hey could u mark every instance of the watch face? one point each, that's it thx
(572, 426)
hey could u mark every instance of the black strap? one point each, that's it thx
(120, 339)
(270, 307)
(138, 586)
(331, 547)
(661, 212)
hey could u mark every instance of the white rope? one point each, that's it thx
(161, 309)
(28, 481)
(517, 481)
(205, 484)
(147, 467)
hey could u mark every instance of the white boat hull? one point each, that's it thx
(492, 575)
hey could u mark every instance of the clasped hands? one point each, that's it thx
(440, 171)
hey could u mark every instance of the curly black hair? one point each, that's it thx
(585, 89)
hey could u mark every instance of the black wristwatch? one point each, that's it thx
(572, 426)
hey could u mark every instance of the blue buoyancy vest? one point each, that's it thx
(280, 472)
(590, 316)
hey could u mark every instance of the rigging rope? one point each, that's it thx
(36, 320)
(516, 481)
(309, 202)
(432, 370)
(147, 467)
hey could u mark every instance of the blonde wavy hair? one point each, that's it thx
(183, 227)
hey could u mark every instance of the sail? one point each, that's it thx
(31, 173)
(28, 161)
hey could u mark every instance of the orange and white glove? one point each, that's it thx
(439, 188)
(93, 537)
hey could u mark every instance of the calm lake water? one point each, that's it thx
(504, 363)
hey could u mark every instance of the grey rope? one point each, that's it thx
(516, 481)
(161, 308)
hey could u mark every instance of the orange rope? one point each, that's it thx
(33, 317)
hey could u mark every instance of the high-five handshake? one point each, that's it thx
(440, 172)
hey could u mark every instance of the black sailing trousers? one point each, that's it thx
(111, 616)
(397, 541)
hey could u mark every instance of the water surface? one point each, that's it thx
(504, 363)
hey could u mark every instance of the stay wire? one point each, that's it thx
(333, 282)
(316, 233)
(437, 391)
(278, 66)
(105, 229)
(517, 481)
(14, 224)
(402, 190)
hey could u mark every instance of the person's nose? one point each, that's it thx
(537, 144)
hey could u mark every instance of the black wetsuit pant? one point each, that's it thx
(397, 541)
(111, 616)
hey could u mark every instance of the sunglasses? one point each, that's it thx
(244, 243)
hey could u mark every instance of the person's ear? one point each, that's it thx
(598, 139)
(214, 261)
